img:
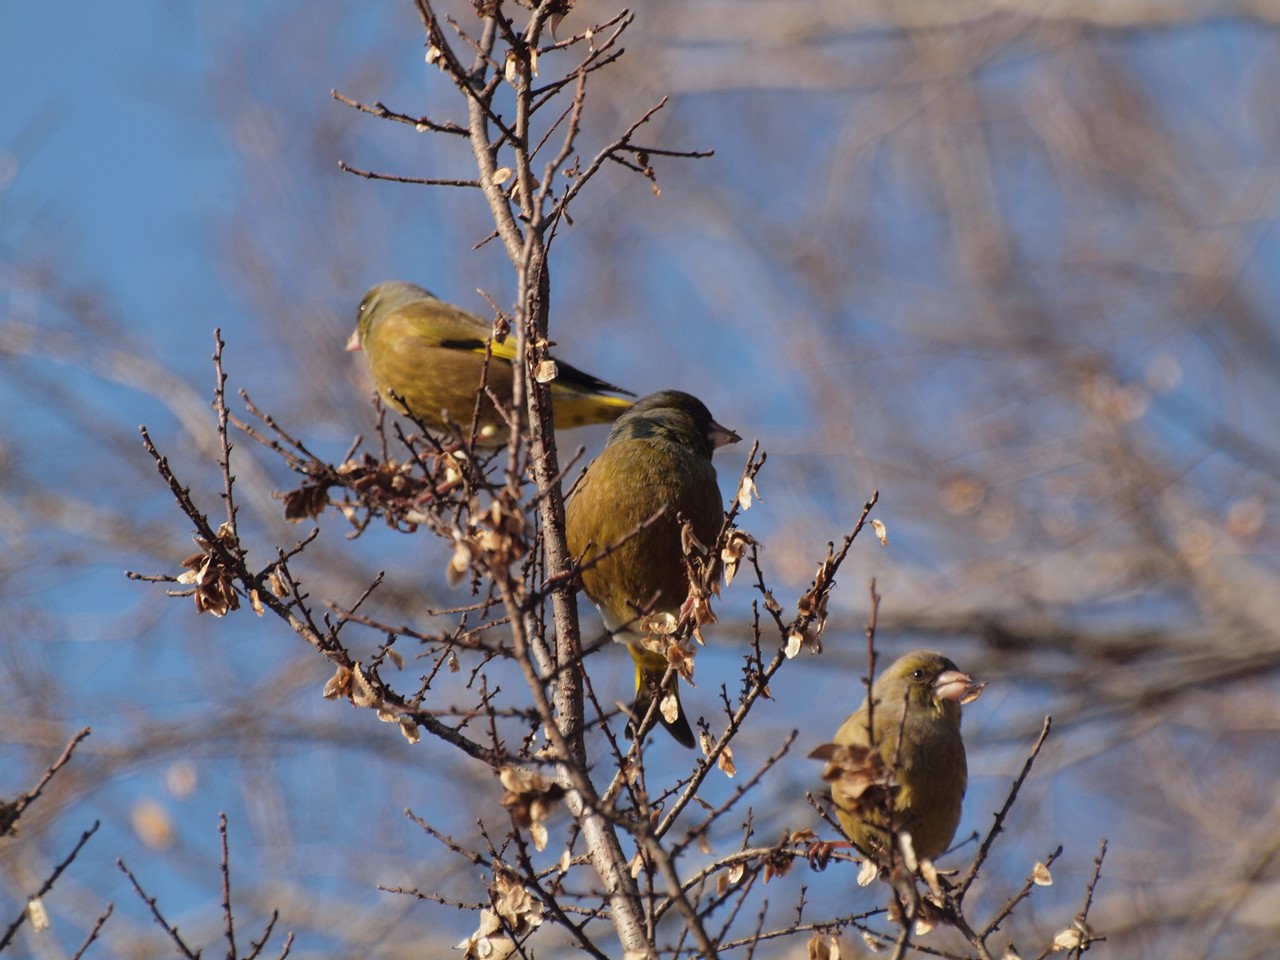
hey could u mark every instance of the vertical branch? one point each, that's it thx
(229, 925)
(527, 251)
(603, 845)
(220, 405)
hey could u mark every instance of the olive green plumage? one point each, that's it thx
(427, 357)
(658, 455)
(931, 774)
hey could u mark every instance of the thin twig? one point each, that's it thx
(93, 934)
(998, 825)
(224, 867)
(12, 811)
(397, 178)
(48, 883)
(168, 928)
(421, 124)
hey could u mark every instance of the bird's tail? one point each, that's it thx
(651, 667)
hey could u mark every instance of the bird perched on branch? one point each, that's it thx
(918, 784)
(428, 359)
(656, 463)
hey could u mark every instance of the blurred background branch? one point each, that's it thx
(1013, 265)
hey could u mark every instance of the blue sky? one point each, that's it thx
(155, 155)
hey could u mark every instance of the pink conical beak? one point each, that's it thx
(721, 436)
(954, 685)
(353, 341)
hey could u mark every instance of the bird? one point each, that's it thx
(917, 786)
(657, 458)
(427, 358)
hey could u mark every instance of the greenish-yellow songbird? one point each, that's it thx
(658, 456)
(926, 787)
(427, 358)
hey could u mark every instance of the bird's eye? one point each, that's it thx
(917, 674)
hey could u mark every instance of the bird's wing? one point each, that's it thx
(452, 328)
(441, 324)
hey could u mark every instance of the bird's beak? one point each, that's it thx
(954, 685)
(353, 341)
(721, 436)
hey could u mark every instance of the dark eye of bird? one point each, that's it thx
(917, 674)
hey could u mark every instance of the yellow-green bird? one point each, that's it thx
(427, 358)
(658, 456)
(930, 776)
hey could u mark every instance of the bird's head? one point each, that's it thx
(673, 415)
(926, 680)
(382, 299)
